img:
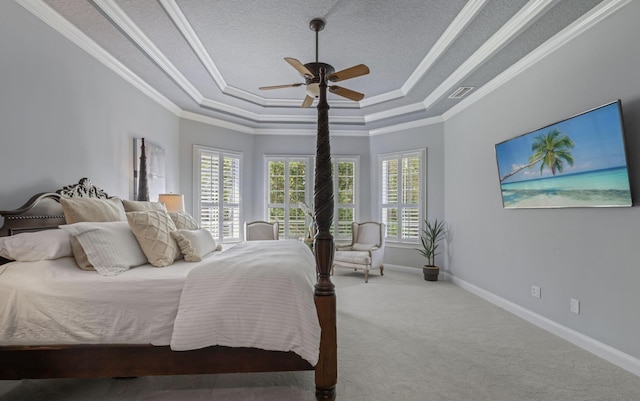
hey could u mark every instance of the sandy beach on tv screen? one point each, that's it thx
(562, 200)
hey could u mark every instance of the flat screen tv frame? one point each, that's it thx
(580, 161)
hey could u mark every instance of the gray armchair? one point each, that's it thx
(366, 250)
(260, 230)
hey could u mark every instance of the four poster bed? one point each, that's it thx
(45, 360)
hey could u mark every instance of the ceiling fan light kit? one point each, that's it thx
(311, 74)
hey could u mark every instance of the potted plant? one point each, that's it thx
(432, 234)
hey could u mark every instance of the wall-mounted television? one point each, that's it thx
(577, 162)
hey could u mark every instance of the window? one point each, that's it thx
(402, 187)
(217, 175)
(290, 183)
(345, 193)
(289, 186)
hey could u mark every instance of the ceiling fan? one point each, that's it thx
(311, 74)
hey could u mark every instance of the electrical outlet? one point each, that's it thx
(536, 291)
(575, 306)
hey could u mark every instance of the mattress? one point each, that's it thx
(53, 302)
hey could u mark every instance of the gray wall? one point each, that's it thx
(430, 137)
(196, 133)
(64, 116)
(590, 254)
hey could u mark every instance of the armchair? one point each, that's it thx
(365, 251)
(261, 230)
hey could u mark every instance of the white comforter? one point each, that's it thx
(263, 292)
(53, 302)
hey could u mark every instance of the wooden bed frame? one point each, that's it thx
(131, 360)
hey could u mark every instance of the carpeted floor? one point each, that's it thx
(399, 338)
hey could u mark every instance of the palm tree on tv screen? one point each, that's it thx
(552, 149)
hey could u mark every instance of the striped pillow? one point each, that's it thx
(111, 247)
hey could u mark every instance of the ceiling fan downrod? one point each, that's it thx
(316, 25)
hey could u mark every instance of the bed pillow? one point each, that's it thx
(153, 232)
(78, 210)
(195, 244)
(33, 246)
(141, 206)
(111, 247)
(183, 221)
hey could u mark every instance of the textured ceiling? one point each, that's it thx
(205, 60)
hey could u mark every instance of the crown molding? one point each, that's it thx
(50, 17)
(590, 19)
(523, 18)
(405, 126)
(515, 25)
(180, 20)
(464, 17)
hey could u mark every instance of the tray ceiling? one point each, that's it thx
(205, 60)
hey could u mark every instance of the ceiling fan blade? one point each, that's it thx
(307, 101)
(299, 66)
(348, 93)
(351, 72)
(280, 86)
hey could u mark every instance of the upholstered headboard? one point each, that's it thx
(44, 211)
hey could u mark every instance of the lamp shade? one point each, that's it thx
(173, 202)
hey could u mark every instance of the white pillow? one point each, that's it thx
(111, 247)
(362, 247)
(33, 246)
(195, 244)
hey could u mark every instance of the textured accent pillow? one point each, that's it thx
(362, 247)
(141, 206)
(32, 246)
(195, 244)
(111, 247)
(78, 210)
(153, 231)
(184, 221)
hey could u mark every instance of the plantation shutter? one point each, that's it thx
(218, 192)
(402, 178)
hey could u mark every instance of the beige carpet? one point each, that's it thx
(399, 338)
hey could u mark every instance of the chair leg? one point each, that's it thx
(382, 270)
(366, 275)
(331, 271)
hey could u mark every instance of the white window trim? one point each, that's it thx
(311, 180)
(310, 177)
(356, 192)
(422, 209)
(197, 150)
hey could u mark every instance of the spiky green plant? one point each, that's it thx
(432, 234)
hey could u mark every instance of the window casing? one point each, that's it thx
(288, 186)
(345, 189)
(402, 189)
(217, 185)
(290, 183)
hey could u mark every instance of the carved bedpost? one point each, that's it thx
(143, 185)
(325, 295)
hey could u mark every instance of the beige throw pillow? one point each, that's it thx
(153, 230)
(77, 210)
(141, 206)
(184, 221)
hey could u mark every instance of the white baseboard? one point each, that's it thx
(604, 351)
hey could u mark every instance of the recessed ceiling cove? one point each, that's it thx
(206, 60)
